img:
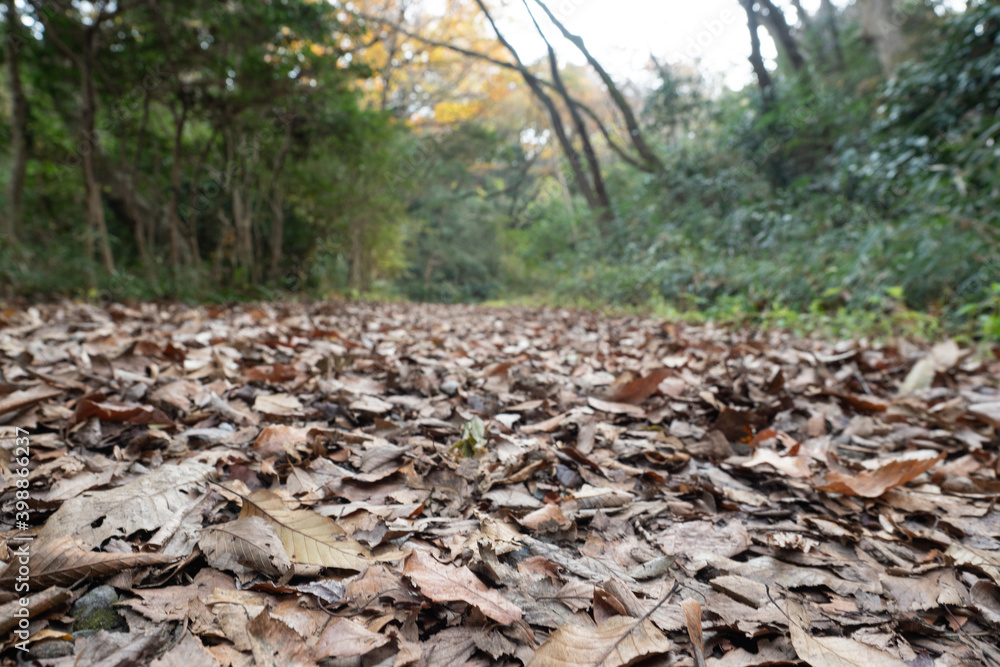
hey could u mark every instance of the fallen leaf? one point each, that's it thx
(616, 408)
(144, 504)
(692, 619)
(308, 537)
(617, 641)
(832, 651)
(445, 583)
(246, 545)
(640, 389)
(873, 483)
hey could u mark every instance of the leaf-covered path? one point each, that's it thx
(359, 484)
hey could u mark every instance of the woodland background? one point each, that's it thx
(201, 149)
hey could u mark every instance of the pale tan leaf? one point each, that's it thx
(145, 504)
(444, 583)
(616, 408)
(244, 545)
(793, 466)
(921, 376)
(308, 537)
(281, 405)
(832, 651)
(987, 412)
(986, 562)
(617, 641)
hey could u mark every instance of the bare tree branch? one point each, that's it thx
(635, 133)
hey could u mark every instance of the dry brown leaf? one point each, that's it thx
(692, 619)
(12, 612)
(114, 412)
(280, 439)
(873, 483)
(987, 562)
(246, 545)
(346, 639)
(19, 400)
(640, 389)
(793, 466)
(276, 373)
(274, 643)
(616, 408)
(308, 537)
(987, 412)
(63, 561)
(145, 504)
(617, 641)
(445, 583)
(832, 651)
(280, 405)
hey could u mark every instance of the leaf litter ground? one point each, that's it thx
(359, 484)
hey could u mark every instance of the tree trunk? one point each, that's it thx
(18, 129)
(880, 26)
(238, 181)
(781, 32)
(572, 156)
(277, 192)
(88, 146)
(764, 81)
(597, 179)
(829, 13)
(173, 219)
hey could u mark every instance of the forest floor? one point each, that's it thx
(386, 484)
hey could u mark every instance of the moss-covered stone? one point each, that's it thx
(95, 611)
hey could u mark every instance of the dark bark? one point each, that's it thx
(764, 81)
(597, 179)
(173, 218)
(277, 201)
(829, 13)
(572, 156)
(638, 163)
(781, 32)
(18, 127)
(89, 143)
(635, 133)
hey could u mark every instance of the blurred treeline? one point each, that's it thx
(213, 149)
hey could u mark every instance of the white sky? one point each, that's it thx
(622, 33)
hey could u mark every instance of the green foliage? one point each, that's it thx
(472, 439)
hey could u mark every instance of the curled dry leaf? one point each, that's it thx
(616, 408)
(617, 641)
(63, 561)
(692, 619)
(445, 583)
(873, 483)
(113, 412)
(793, 466)
(308, 537)
(246, 545)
